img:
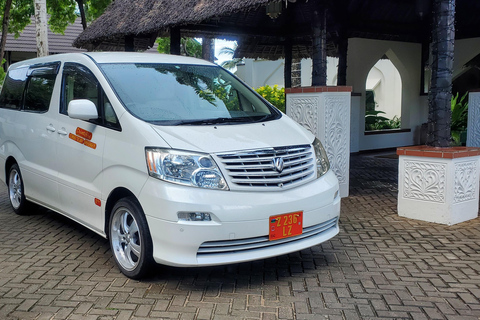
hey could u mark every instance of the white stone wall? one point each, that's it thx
(363, 54)
(473, 126)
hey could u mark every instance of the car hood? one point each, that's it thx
(223, 138)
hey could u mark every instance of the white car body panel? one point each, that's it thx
(78, 181)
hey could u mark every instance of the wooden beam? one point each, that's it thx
(342, 60)
(232, 31)
(288, 63)
(175, 41)
(129, 43)
(208, 49)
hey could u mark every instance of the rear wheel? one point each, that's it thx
(16, 193)
(130, 239)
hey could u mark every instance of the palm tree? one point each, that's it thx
(232, 63)
(440, 94)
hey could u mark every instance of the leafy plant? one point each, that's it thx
(374, 121)
(232, 63)
(459, 113)
(459, 118)
(275, 95)
(188, 46)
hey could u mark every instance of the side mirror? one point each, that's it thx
(82, 109)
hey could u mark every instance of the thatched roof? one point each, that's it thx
(259, 35)
(146, 19)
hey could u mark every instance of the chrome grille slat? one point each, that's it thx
(288, 165)
(218, 247)
(269, 173)
(255, 168)
(270, 179)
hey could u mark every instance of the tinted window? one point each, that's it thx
(12, 91)
(169, 94)
(80, 83)
(39, 92)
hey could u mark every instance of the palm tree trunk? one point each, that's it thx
(319, 58)
(41, 27)
(440, 95)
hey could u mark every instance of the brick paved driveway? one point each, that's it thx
(380, 266)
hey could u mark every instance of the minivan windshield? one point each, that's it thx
(179, 94)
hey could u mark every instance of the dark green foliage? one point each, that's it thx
(459, 112)
(459, 119)
(188, 47)
(374, 121)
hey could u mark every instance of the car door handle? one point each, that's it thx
(51, 128)
(62, 132)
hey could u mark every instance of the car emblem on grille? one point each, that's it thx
(278, 164)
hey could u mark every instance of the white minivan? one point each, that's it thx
(173, 159)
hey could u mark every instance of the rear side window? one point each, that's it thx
(13, 86)
(38, 93)
(29, 88)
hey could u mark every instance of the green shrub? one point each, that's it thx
(274, 95)
(459, 119)
(459, 113)
(374, 121)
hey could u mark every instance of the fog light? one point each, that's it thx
(194, 216)
(336, 195)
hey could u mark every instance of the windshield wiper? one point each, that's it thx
(214, 121)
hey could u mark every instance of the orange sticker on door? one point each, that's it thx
(83, 136)
(84, 133)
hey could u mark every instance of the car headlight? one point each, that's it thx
(322, 163)
(186, 168)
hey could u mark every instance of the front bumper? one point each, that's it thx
(238, 220)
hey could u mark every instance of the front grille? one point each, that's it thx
(245, 245)
(272, 168)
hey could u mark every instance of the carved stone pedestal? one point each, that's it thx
(325, 111)
(438, 185)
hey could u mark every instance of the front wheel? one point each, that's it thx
(16, 192)
(130, 239)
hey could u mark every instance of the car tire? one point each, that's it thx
(16, 191)
(130, 239)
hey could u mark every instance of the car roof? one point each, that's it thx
(140, 57)
(115, 57)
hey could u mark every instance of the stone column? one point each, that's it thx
(473, 127)
(325, 112)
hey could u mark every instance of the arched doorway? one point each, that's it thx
(383, 105)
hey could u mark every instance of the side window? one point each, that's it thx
(80, 83)
(12, 91)
(39, 92)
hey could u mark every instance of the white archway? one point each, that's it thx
(385, 82)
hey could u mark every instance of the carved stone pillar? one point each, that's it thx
(325, 112)
(438, 185)
(473, 127)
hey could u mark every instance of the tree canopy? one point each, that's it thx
(61, 12)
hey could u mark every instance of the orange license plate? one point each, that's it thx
(286, 225)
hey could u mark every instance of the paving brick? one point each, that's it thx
(380, 266)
